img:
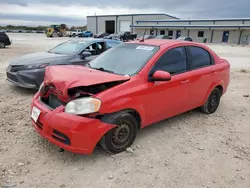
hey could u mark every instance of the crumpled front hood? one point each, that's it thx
(37, 58)
(66, 77)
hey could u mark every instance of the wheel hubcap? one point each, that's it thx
(120, 135)
(213, 101)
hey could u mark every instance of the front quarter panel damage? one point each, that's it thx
(126, 96)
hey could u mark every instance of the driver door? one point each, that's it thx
(168, 98)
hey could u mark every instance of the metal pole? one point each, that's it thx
(212, 35)
(241, 31)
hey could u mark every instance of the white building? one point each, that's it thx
(232, 31)
(117, 23)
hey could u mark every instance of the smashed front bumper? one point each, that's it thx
(70, 132)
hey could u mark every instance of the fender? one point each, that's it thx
(124, 104)
(210, 89)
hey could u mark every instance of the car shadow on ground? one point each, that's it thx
(146, 133)
(6, 48)
(21, 90)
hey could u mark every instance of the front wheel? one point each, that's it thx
(212, 102)
(2, 45)
(122, 136)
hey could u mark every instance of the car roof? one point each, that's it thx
(160, 42)
(88, 40)
(113, 41)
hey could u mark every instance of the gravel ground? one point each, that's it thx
(191, 150)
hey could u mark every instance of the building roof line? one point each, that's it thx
(150, 14)
(196, 20)
(191, 26)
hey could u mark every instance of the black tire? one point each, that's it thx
(55, 34)
(2, 45)
(121, 137)
(212, 102)
(74, 35)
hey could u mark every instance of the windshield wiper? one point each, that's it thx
(102, 69)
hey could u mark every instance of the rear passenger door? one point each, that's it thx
(202, 73)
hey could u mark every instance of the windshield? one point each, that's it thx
(125, 59)
(69, 48)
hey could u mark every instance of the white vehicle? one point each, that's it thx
(74, 32)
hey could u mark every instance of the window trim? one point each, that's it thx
(189, 56)
(150, 73)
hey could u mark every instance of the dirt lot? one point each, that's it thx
(192, 150)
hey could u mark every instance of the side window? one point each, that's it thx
(100, 47)
(96, 48)
(199, 57)
(89, 48)
(173, 61)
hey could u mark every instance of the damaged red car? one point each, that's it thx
(125, 89)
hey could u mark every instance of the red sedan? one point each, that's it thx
(125, 89)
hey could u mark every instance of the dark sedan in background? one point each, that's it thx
(4, 40)
(101, 35)
(146, 37)
(186, 38)
(28, 70)
(113, 37)
(163, 37)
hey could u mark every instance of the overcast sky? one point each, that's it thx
(74, 12)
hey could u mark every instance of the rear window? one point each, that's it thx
(200, 57)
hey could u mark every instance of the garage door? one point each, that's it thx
(125, 25)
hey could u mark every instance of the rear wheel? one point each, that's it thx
(122, 136)
(2, 45)
(212, 102)
(55, 34)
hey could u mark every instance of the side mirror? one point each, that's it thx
(160, 76)
(85, 54)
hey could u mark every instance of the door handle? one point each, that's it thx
(184, 81)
